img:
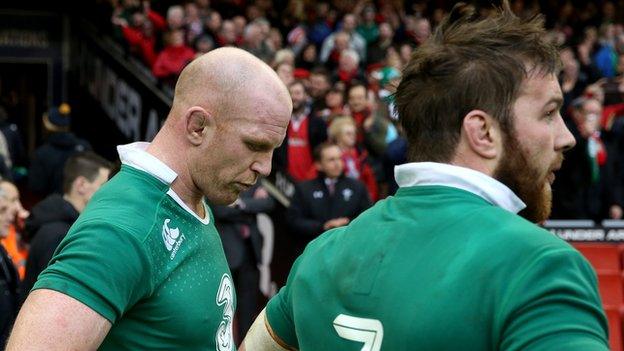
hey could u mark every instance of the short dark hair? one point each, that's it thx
(469, 63)
(357, 84)
(297, 82)
(317, 153)
(86, 164)
(321, 71)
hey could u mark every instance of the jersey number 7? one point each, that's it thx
(366, 330)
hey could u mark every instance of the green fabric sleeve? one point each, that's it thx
(553, 304)
(100, 265)
(279, 311)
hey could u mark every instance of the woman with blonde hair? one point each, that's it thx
(342, 131)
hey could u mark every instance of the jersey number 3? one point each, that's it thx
(366, 330)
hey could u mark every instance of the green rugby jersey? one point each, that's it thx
(141, 259)
(439, 268)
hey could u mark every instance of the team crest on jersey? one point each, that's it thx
(172, 238)
(225, 297)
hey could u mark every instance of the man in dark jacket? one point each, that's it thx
(9, 281)
(242, 243)
(329, 201)
(51, 219)
(589, 184)
(45, 175)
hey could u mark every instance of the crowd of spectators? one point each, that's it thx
(341, 61)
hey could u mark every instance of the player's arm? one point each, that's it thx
(50, 320)
(554, 305)
(261, 337)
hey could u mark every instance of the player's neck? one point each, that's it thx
(190, 195)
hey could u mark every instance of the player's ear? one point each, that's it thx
(199, 124)
(482, 134)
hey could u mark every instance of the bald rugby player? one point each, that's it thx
(143, 267)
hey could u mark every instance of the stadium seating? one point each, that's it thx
(606, 258)
(603, 257)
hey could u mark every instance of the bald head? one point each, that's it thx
(217, 78)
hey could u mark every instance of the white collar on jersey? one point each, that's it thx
(136, 156)
(432, 173)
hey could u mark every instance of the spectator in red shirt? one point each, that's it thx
(140, 34)
(349, 68)
(305, 132)
(173, 58)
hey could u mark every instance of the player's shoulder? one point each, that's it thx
(130, 201)
(517, 237)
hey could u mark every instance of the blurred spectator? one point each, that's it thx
(203, 44)
(342, 132)
(240, 23)
(405, 52)
(242, 243)
(589, 183)
(194, 24)
(359, 107)
(347, 34)
(329, 201)
(140, 34)
(254, 41)
(305, 132)
(45, 175)
(341, 43)
(9, 280)
(308, 58)
(321, 26)
(203, 7)
(174, 57)
(334, 104)
(213, 25)
(417, 30)
(585, 50)
(320, 82)
(11, 148)
(368, 28)
(175, 18)
(13, 242)
(50, 220)
(606, 56)
(227, 35)
(348, 70)
(393, 59)
(297, 39)
(573, 81)
(285, 73)
(377, 50)
(284, 55)
(275, 39)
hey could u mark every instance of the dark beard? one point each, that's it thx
(299, 108)
(517, 173)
